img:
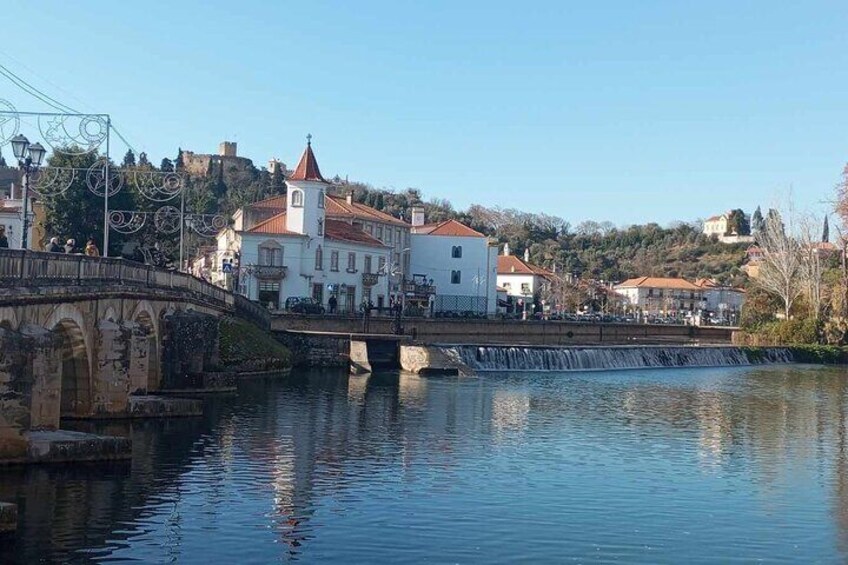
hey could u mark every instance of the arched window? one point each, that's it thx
(321, 199)
(297, 198)
(319, 259)
(456, 252)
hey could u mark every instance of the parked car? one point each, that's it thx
(303, 305)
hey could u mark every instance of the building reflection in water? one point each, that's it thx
(329, 440)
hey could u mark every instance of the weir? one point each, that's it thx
(519, 358)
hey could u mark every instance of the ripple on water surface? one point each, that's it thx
(652, 466)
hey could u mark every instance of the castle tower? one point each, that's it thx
(305, 202)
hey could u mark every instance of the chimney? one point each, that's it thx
(349, 197)
(506, 249)
(417, 216)
(527, 255)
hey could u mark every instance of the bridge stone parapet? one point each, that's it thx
(82, 337)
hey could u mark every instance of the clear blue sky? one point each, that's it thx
(623, 111)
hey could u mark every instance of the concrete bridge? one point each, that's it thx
(84, 337)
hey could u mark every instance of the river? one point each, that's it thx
(718, 465)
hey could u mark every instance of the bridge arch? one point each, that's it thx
(146, 329)
(68, 324)
(75, 395)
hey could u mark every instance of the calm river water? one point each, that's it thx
(666, 466)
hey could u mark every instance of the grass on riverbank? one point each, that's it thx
(246, 347)
(815, 354)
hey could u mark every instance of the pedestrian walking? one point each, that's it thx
(332, 303)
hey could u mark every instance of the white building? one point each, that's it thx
(716, 225)
(721, 299)
(301, 251)
(460, 261)
(661, 296)
(11, 219)
(520, 278)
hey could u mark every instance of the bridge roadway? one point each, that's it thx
(83, 337)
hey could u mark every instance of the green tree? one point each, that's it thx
(167, 165)
(757, 220)
(737, 223)
(129, 159)
(825, 231)
(77, 213)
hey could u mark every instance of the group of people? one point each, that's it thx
(70, 247)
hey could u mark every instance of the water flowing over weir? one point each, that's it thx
(504, 358)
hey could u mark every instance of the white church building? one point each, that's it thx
(300, 252)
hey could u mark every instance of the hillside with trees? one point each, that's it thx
(592, 250)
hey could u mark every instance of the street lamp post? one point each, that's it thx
(29, 159)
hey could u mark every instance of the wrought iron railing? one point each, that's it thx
(20, 268)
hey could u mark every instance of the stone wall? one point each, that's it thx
(316, 350)
(189, 347)
(428, 330)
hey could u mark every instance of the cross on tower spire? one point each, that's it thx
(308, 139)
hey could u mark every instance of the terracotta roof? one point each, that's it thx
(512, 265)
(658, 282)
(343, 231)
(339, 206)
(713, 218)
(448, 227)
(273, 225)
(333, 229)
(307, 168)
(336, 206)
(273, 202)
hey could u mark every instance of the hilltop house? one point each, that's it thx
(302, 246)
(659, 296)
(458, 262)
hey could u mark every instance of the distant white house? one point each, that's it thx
(519, 277)
(721, 299)
(661, 296)
(460, 261)
(718, 226)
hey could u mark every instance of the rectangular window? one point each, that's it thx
(381, 265)
(380, 233)
(367, 265)
(456, 277)
(351, 262)
(320, 227)
(334, 260)
(271, 256)
(369, 229)
(269, 294)
(318, 292)
(525, 288)
(456, 252)
(398, 237)
(319, 259)
(388, 235)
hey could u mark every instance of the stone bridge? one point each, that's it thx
(81, 337)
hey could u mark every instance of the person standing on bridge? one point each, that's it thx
(4, 241)
(91, 249)
(70, 246)
(53, 246)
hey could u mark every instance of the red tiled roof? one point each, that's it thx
(336, 206)
(448, 227)
(512, 265)
(658, 282)
(307, 168)
(273, 225)
(333, 229)
(343, 231)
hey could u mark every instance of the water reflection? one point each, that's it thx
(636, 466)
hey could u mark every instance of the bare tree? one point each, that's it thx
(781, 267)
(811, 269)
